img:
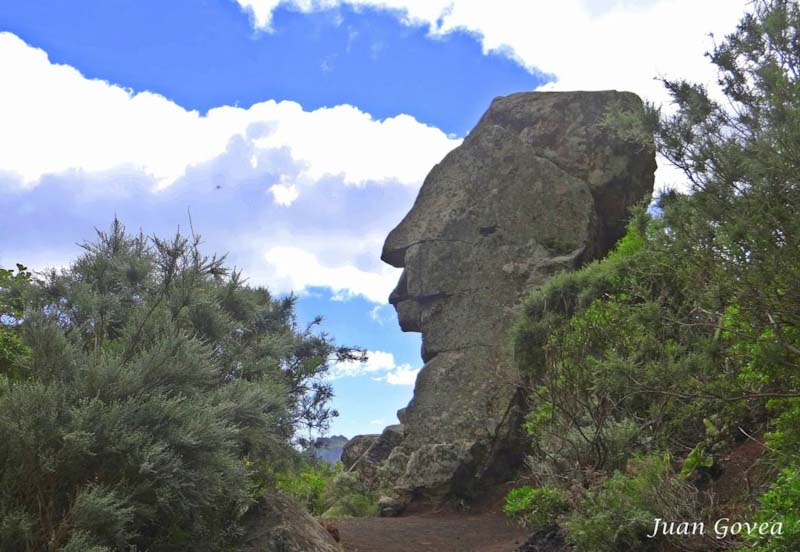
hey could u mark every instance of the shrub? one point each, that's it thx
(12, 288)
(152, 397)
(327, 491)
(781, 503)
(309, 484)
(348, 496)
(535, 507)
(618, 514)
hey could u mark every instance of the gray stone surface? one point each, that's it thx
(365, 453)
(355, 448)
(535, 188)
(278, 524)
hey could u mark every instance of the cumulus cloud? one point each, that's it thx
(381, 313)
(581, 44)
(101, 148)
(56, 120)
(260, 10)
(297, 269)
(284, 194)
(381, 366)
(402, 375)
(584, 44)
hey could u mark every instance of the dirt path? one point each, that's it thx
(451, 532)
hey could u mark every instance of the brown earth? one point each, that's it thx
(443, 532)
(442, 528)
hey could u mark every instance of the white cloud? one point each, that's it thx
(293, 268)
(378, 422)
(377, 361)
(402, 375)
(56, 120)
(584, 44)
(380, 365)
(284, 194)
(376, 313)
(261, 11)
(97, 136)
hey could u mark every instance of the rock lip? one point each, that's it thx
(538, 186)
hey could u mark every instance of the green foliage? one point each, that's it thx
(784, 439)
(328, 491)
(618, 514)
(348, 496)
(620, 360)
(688, 333)
(12, 288)
(781, 503)
(157, 397)
(309, 484)
(695, 460)
(629, 125)
(536, 507)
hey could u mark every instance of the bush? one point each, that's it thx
(327, 491)
(781, 503)
(348, 496)
(151, 399)
(309, 484)
(535, 507)
(12, 287)
(688, 332)
(618, 514)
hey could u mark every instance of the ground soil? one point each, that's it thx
(436, 532)
(483, 528)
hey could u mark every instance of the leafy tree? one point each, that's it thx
(12, 286)
(738, 235)
(159, 394)
(687, 337)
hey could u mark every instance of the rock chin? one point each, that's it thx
(535, 188)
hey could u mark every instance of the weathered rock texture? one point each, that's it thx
(278, 524)
(537, 187)
(365, 453)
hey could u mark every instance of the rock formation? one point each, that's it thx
(278, 524)
(538, 186)
(366, 453)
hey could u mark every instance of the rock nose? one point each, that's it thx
(392, 254)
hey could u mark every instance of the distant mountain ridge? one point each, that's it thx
(329, 449)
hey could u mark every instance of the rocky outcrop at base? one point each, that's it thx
(366, 453)
(278, 524)
(538, 186)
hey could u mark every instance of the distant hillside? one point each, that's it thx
(330, 448)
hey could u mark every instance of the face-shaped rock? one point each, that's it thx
(535, 188)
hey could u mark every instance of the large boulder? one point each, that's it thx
(278, 524)
(365, 454)
(538, 186)
(355, 449)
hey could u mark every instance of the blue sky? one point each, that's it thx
(206, 54)
(297, 133)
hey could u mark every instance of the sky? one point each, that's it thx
(296, 134)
